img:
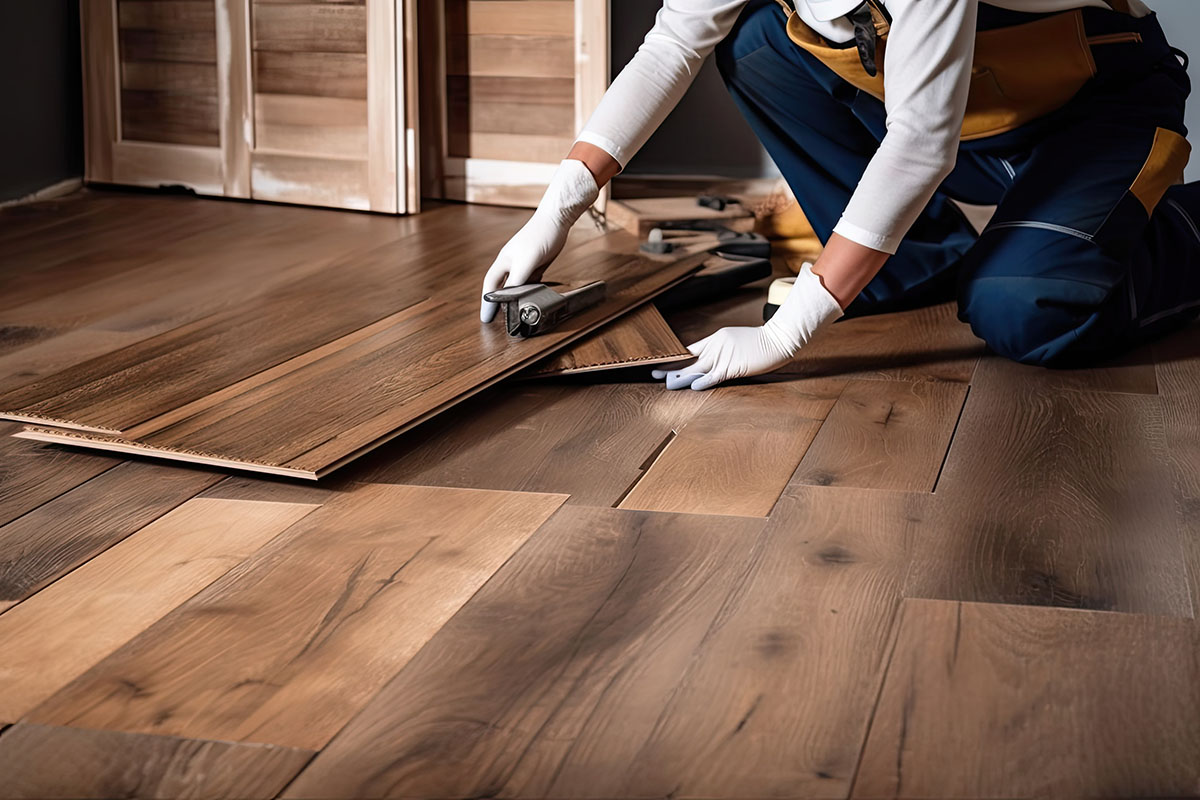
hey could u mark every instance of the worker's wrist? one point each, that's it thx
(571, 192)
(807, 308)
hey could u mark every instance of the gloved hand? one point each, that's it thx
(741, 352)
(571, 192)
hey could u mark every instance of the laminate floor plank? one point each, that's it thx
(738, 452)
(587, 442)
(985, 701)
(1058, 498)
(43, 761)
(285, 648)
(1131, 373)
(641, 337)
(885, 435)
(585, 632)
(72, 624)
(32, 474)
(58, 536)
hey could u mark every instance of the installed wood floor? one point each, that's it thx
(903, 569)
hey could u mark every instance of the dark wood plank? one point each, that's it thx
(176, 117)
(40, 761)
(251, 658)
(309, 27)
(1055, 498)
(997, 701)
(526, 666)
(704, 659)
(885, 435)
(537, 437)
(32, 474)
(195, 47)
(58, 536)
(639, 338)
(1132, 373)
(69, 626)
(738, 452)
(311, 74)
(167, 15)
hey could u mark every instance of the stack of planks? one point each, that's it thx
(339, 355)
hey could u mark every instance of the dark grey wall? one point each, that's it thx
(706, 134)
(41, 136)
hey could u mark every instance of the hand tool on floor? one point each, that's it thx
(536, 308)
(718, 276)
(670, 236)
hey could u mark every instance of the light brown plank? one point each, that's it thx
(40, 761)
(737, 453)
(885, 435)
(510, 56)
(170, 116)
(168, 76)
(58, 536)
(1131, 373)
(195, 47)
(1055, 498)
(333, 182)
(526, 660)
(328, 126)
(502, 89)
(63, 630)
(310, 27)
(641, 337)
(519, 17)
(167, 15)
(33, 474)
(508, 146)
(997, 701)
(319, 74)
(383, 567)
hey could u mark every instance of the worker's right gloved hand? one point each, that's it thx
(523, 260)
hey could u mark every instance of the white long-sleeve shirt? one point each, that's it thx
(929, 53)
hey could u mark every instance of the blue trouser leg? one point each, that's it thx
(821, 134)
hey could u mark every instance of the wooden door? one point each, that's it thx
(506, 85)
(288, 100)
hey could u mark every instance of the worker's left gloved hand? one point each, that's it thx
(732, 353)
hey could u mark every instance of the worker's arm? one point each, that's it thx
(639, 99)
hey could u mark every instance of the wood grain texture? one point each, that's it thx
(709, 657)
(97, 23)
(178, 117)
(1055, 498)
(738, 452)
(1131, 373)
(324, 126)
(383, 568)
(58, 536)
(310, 27)
(40, 761)
(537, 437)
(63, 630)
(640, 337)
(311, 74)
(528, 668)
(995, 701)
(892, 436)
(33, 474)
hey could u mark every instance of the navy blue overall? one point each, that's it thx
(1072, 268)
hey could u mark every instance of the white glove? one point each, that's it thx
(741, 352)
(572, 191)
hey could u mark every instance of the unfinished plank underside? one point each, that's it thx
(305, 377)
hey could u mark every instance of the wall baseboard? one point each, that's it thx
(54, 190)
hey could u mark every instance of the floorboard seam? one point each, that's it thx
(60, 494)
(950, 444)
(897, 619)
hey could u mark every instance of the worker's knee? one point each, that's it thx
(1033, 298)
(759, 25)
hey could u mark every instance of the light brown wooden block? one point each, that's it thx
(195, 47)
(309, 27)
(510, 56)
(69, 626)
(58, 536)
(885, 435)
(40, 761)
(170, 116)
(335, 182)
(169, 76)
(1131, 373)
(300, 125)
(1056, 498)
(641, 337)
(737, 454)
(999, 701)
(319, 74)
(286, 648)
(520, 17)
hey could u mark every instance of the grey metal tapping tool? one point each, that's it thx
(536, 308)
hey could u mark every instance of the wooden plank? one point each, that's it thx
(537, 437)
(1055, 498)
(520, 17)
(736, 454)
(641, 215)
(59, 535)
(1132, 373)
(695, 653)
(196, 47)
(40, 761)
(885, 435)
(525, 661)
(515, 147)
(72, 624)
(169, 76)
(1089, 704)
(320, 126)
(313, 74)
(466, 89)
(638, 338)
(323, 27)
(382, 122)
(175, 16)
(32, 474)
(535, 119)
(335, 182)
(150, 164)
(509, 56)
(98, 28)
(383, 568)
(237, 87)
(170, 117)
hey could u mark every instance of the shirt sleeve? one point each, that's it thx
(927, 76)
(651, 84)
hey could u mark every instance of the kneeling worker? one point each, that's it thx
(1066, 114)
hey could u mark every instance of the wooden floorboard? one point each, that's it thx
(286, 648)
(32, 474)
(640, 338)
(62, 534)
(43, 761)
(63, 630)
(892, 437)
(1178, 364)
(985, 701)
(1058, 498)
(737, 453)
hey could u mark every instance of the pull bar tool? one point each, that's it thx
(536, 308)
